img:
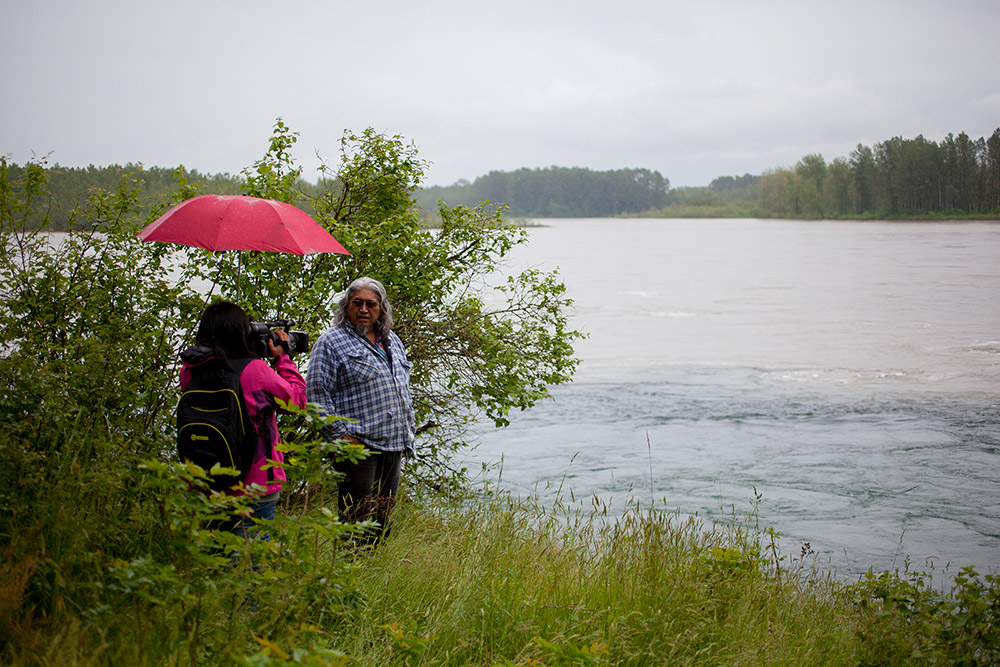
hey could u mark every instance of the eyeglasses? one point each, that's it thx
(367, 303)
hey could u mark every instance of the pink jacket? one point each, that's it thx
(261, 385)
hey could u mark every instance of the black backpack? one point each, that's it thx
(213, 425)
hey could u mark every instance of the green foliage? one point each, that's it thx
(377, 177)
(111, 555)
(120, 561)
(908, 616)
(128, 572)
(69, 188)
(896, 178)
(725, 197)
(476, 347)
(408, 645)
(570, 654)
(735, 186)
(110, 551)
(503, 582)
(275, 175)
(212, 575)
(74, 305)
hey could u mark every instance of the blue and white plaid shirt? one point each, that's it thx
(348, 377)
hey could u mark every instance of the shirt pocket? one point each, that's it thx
(361, 367)
(405, 368)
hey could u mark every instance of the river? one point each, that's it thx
(845, 371)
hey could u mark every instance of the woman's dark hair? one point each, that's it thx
(224, 327)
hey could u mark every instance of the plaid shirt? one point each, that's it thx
(348, 377)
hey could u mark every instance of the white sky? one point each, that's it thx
(694, 89)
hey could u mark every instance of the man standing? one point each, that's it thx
(358, 370)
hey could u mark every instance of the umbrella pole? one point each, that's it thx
(219, 280)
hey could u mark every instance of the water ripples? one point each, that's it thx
(865, 477)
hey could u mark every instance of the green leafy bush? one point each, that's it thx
(109, 546)
(908, 616)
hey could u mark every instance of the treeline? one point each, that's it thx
(71, 187)
(557, 192)
(895, 177)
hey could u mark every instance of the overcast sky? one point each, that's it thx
(694, 89)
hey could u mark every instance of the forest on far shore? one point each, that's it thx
(958, 177)
(896, 178)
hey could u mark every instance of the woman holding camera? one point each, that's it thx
(222, 335)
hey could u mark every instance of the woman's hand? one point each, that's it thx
(275, 350)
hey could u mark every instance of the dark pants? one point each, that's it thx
(240, 525)
(259, 510)
(369, 489)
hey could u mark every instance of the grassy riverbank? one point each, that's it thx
(511, 584)
(506, 583)
(108, 558)
(491, 581)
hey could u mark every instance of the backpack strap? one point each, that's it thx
(239, 364)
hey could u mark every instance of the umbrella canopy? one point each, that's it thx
(238, 222)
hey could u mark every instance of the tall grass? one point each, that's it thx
(507, 582)
(109, 560)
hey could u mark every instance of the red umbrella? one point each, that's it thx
(237, 222)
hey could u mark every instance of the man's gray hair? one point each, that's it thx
(383, 325)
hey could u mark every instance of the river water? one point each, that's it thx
(848, 372)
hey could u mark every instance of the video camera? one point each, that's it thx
(261, 332)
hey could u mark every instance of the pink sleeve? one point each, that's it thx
(283, 382)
